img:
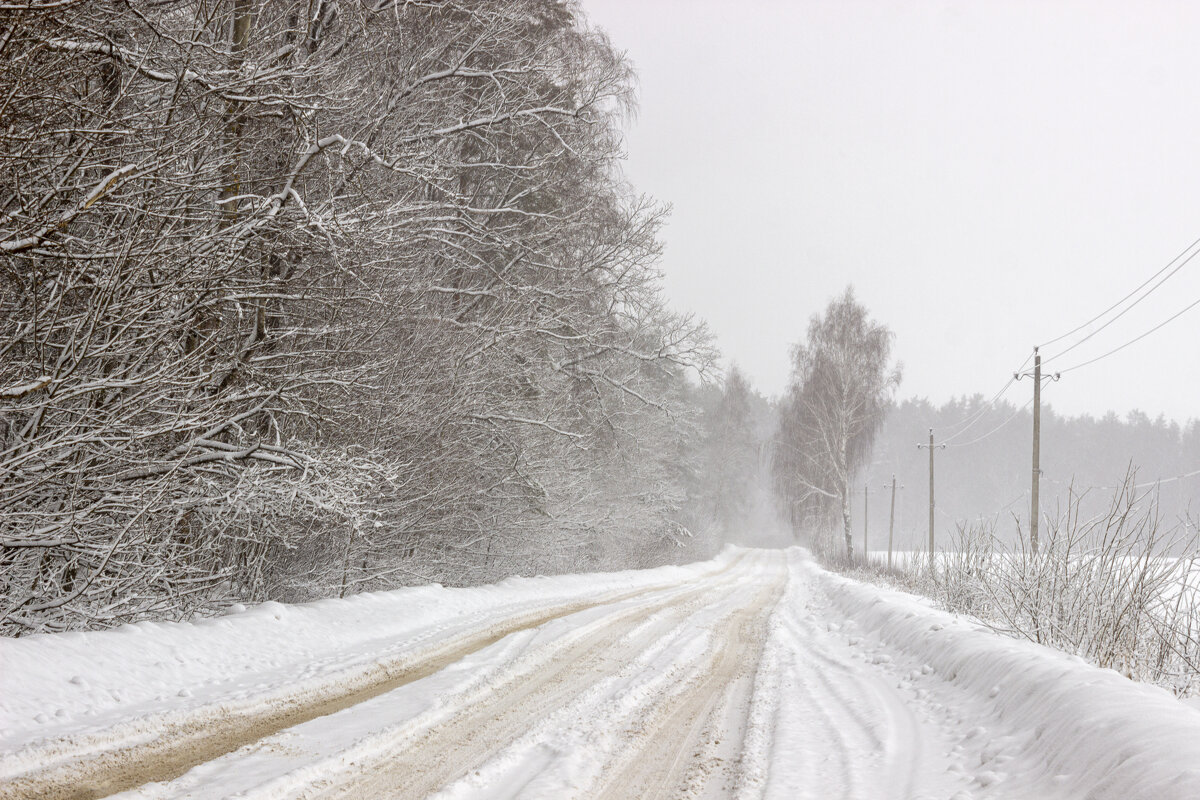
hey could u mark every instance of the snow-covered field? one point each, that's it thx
(755, 675)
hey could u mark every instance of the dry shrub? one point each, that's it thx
(1118, 589)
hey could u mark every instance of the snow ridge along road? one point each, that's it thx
(756, 675)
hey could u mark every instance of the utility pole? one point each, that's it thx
(891, 520)
(1034, 505)
(931, 447)
(866, 550)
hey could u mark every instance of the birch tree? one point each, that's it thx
(842, 381)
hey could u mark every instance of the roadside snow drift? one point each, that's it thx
(1083, 731)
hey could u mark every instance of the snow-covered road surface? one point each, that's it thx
(755, 675)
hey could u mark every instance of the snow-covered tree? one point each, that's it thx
(842, 382)
(301, 299)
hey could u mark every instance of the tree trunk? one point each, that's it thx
(846, 522)
(239, 40)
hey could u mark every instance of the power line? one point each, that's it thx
(1171, 268)
(974, 419)
(1008, 505)
(998, 427)
(1172, 318)
(1161, 481)
(995, 513)
(1143, 485)
(1143, 285)
(971, 420)
(1154, 282)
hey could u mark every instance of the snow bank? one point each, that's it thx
(72, 685)
(1086, 731)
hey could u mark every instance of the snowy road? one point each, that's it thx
(756, 675)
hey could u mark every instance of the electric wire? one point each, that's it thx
(1005, 507)
(1135, 340)
(971, 420)
(1194, 252)
(995, 429)
(1122, 300)
(1008, 505)
(974, 418)
(1161, 481)
(1143, 485)
(966, 424)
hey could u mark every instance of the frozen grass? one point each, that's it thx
(1119, 589)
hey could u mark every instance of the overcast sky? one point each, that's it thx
(987, 175)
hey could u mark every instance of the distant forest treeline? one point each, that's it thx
(987, 477)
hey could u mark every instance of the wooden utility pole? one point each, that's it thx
(1034, 505)
(866, 550)
(1037, 450)
(931, 447)
(892, 520)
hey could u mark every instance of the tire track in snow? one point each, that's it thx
(828, 738)
(692, 741)
(890, 737)
(122, 759)
(843, 722)
(919, 750)
(487, 726)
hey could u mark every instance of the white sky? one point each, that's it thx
(988, 175)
